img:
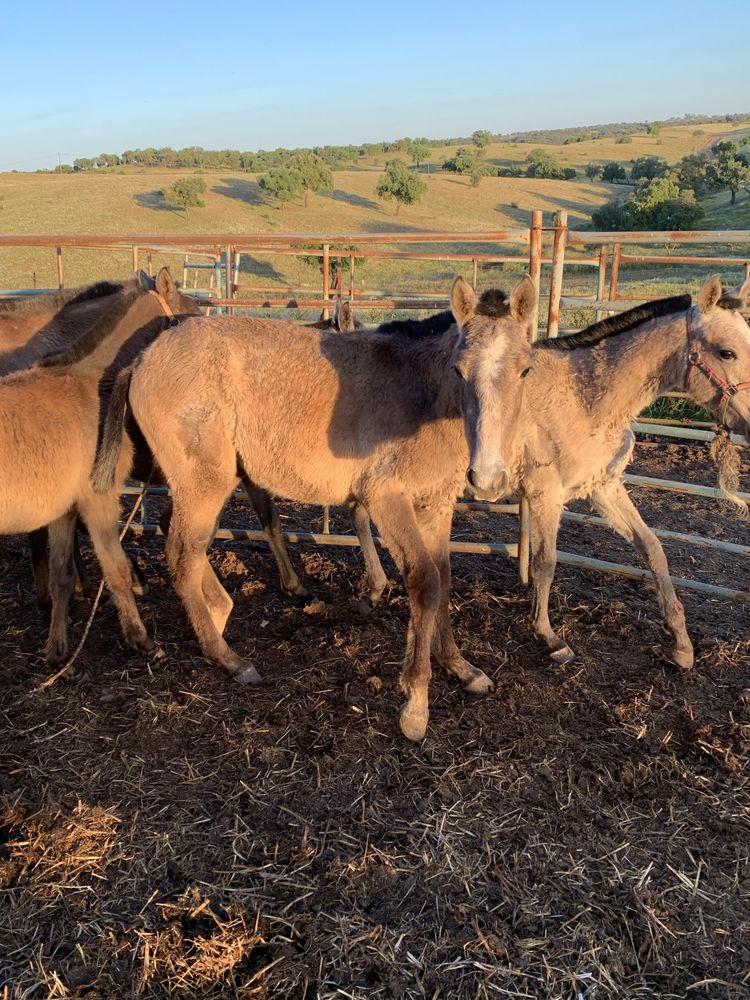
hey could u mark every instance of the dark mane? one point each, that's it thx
(57, 301)
(493, 303)
(419, 328)
(614, 325)
(93, 337)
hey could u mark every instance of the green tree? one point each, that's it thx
(401, 184)
(658, 204)
(539, 163)
(419, 150)
(613, 173)
(464, 162)
(654, 128)
(692, 172)
(185, 193)
(648, 167)
(593, 170)
(283, 184)
(727, 169)
(481, 139)
(314, 173)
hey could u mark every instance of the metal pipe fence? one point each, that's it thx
(556, 248)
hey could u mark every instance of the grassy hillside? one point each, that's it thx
(126, 200)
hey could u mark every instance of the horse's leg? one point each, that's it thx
(62, 580)
(614, 503)
(544, 522)
(192, 528)
(38, 546)
(375, 578)
(87, 587)
(268, 516)
(436, 530)
(99, 513)
(394, 515)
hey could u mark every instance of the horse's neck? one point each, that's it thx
(617, 378)
(430, 360)
(137, 325)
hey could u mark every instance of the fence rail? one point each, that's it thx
(537, 247)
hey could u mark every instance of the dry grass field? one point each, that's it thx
(126, 200)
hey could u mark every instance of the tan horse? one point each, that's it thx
(583, 391)
(49, 423)
(384, 420)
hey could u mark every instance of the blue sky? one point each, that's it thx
(82, 78)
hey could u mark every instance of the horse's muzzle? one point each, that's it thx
(487, 491)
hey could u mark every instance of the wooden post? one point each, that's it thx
(228, 285)
(135, 259)
(149, 263)
(351, 276)
(326, 277)
(217, 278)
(59, 268)
(558, 266)
(535, 273)
(601, 279)
(474, 273)
(615, 273)
(185, 271)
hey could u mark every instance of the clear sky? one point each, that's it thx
(80, 78)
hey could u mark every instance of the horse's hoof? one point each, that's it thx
(55, 656)
(247, 675)
(413, 724)
(364, 606)
(564, 655)
(683, 658)
(480, 684)
(142, 644)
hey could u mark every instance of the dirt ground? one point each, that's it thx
(583, 832)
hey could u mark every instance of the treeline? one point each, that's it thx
(341, 157)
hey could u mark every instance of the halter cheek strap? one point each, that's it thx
(696, 360)
(173, 321)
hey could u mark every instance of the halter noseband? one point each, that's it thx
(696, 360)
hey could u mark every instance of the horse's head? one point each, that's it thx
(719, 354)
(172, 301)
(492, 357)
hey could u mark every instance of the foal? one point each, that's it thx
(381, 419)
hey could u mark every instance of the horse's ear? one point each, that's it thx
(523, 301)
(165, 285)
(742, 291)
(463, 301)
(710, 294)
(344, 315)
(144, 280)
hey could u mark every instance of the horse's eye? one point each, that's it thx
(458, 372)
(525, 372)
(727, 355)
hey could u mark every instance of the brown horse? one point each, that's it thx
(49, 422)
(385, 420)
(576, 441)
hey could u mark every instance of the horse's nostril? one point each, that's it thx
(470, 477)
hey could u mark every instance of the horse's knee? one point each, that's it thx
(423, 583)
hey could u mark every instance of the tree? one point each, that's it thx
(692, 172)
(658, 204)
(464, 162)
(281, 183)
(185, 193)
(400, 183)
(542, 164)
(593, 170)
(481, 139)
(654, 128)
(419, 151)
(727, 169)
(314, 173)
(613, 173)
(648, 167)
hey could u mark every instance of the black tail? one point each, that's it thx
(110, 440)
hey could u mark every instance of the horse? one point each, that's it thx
(385, 420)
(49, 424)
(575, 440)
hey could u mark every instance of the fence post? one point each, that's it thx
(135, 259)
(59, 268)
(615, 274)
(326, 277)
(535, 273)
(351, 277)
(228, 283)
(601, 280)
(558, 266)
